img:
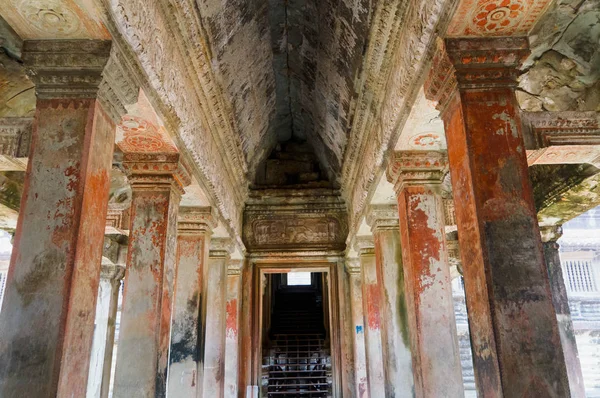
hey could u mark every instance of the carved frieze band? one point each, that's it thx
(66, 68)
(416, 168)
(317, 231)
(562, 137)
(196, 220)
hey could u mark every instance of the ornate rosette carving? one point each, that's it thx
(221, 247)
(66, 68)
(416, 168)
(496, 17)
(382, 217)
(196, 220)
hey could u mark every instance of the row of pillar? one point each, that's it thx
(519, 347)
(169, 338)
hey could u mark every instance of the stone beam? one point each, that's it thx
(562, 137)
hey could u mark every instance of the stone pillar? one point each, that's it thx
(142, 356)
(47, 321)
(399, 381)
(417, 178)
(358, 330)
(232, 327)
(347, 332)
(516, 343)
(550, 235)
(104, 333)
(213, 384)
(193, 239)
(371, 290)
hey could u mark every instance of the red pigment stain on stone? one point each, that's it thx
(231, 323)
(373, 306)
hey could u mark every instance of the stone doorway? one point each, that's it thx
(305, 357)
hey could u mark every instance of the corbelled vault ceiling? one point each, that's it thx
(289, 68)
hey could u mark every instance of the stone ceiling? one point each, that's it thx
(289, 68)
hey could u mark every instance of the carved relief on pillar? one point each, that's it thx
(112, 272)
(416, 167)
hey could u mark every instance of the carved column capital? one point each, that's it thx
(353, 265)
(117, 220)
(551, 233)
(112, 272)
(416, 168)
(118, 88)
(365, 245)
(235, 266)
(196, 220)
(383, 217)
(15, 136)
(221, 247)
(152, 170)
(464, 63)
(66, 68)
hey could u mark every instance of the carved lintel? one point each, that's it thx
(364, 245)
(417, 168)
(562, 137)
(353, 265)
(474, 63)
(383, 217)
(15, 136)
(196, 220)
(235, 267)
(561, 128)
(151, 170)
(551, 233)
(66, 68)
(221, 247)
(112, 272)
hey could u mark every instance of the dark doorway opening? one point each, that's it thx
(296, 355)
